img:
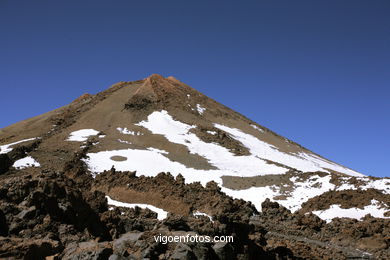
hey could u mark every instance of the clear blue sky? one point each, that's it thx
(317, 72)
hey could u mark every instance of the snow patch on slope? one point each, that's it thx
(6, 148)
(127, 132)
(306, 190)
(161, 214)
(366, 183)
(335, 211)
(220, 157)
(200, 109)
(198, 213)
(148, 163)
(257, 128)
(380, 184)
(26, 162)
(302, 161)
(302, 192)
(81, 135)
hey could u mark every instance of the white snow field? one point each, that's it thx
(26, 162)
(379, 184)
(302, 161)
(81, 135)
(6, 148)
(335, 211)
(302, 192)
(161, 214)
(151, 161)
(220, 157)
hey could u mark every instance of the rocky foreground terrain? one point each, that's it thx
(214, 172)
(65, 215)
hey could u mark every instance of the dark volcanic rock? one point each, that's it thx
(51, 214)
(176, 223)
(182, 251)
(5, 163)
(90, 250)
(27, 248)
(3, 224)
(224, 251)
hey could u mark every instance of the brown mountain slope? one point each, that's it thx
(56, 169)
(191, 134)
(127, 103)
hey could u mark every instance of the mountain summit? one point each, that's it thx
(157, 124)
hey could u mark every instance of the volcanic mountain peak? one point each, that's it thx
(155, 76)
(161, 124)
(156, 80)
(156, 88)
